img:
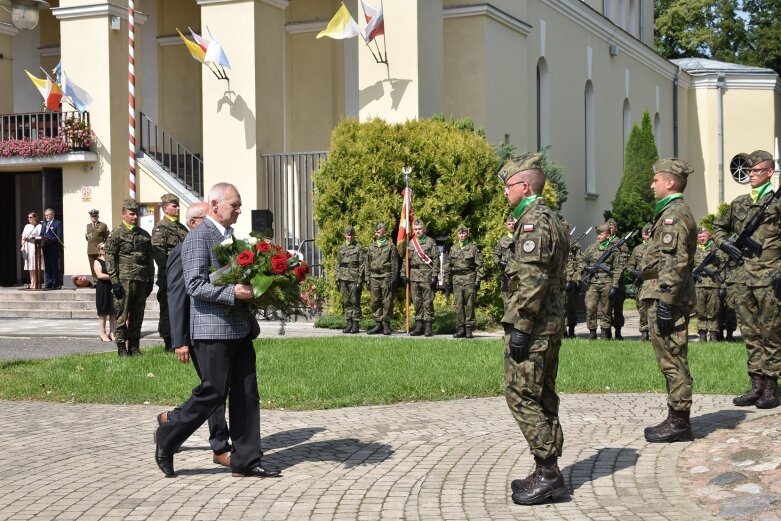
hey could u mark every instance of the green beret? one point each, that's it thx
(170, 198)
(462, 228)
(419, 222)
(130, 204)
(379, 226)
(612, 223)
(510, 219)
(604, 227)
(674, 166)
(702, 229)
(532, 161)
(349, 230)
(758, 156)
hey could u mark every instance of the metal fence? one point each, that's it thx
(35, 125)
(290, 197)
(171, 155)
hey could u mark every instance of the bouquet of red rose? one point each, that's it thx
(274, 274)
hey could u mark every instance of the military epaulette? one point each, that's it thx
(669, 221)
(528, 228)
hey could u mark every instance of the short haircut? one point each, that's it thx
(50, 210)
(535, 178)
(219, 192)
(196, 210)
(679, 183)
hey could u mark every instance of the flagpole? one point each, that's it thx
(131, 98)
(384, 42)
(407, 203)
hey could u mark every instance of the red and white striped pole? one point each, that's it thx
(131, 96)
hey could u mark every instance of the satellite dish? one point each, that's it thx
(739, 167)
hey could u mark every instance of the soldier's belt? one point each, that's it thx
(463, 272)
(351, 265)
(648, 275)
(770, 254)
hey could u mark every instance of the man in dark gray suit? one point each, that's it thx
(179, 314)
(221, 327)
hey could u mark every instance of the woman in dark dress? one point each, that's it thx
(104, 300)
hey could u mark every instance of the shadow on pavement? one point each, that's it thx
(350, 452)
(289, 438)
(605, 462)
(708, 423)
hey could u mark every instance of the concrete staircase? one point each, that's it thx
(63, 303)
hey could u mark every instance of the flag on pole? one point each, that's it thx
(341, 26)
(50, 91)
(404, 222)
(79, 97)
(375, 21)
(196, 51)
(215, 52)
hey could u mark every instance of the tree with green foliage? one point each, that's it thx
(699, 29)
(633, 205)
(708, 220)
(763, 27)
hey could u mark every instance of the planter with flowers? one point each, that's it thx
(76, 133)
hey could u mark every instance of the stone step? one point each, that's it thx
(149, 314)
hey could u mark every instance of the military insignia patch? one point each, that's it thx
(668, 238)
(528, 228)
(669, 221)
(528, 246)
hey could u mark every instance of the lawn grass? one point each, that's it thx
(327, 372)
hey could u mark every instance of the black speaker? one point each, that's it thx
(263, 223)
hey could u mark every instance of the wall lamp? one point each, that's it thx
(24, 13)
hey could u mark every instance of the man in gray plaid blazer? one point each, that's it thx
(222, 328)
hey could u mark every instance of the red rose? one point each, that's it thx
(300, 273)
(277, 248)
(279, 264)
(304, 267)
(263, 247)
(246, 258)
(288, 254)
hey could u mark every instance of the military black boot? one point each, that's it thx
(618, 334)
(167, 342)
(348, 327)
(121, 349)
(468, 332)
(571, 331)
(676, 427)
(644, 336)
(715, 336)
(460, 332)
(356, 327)
(703, 335)
(386, 329)
(376, 330)
(729, 337)
(427, 328)
(545, 483)
(769, 399)
(592, 334)
(418, 331)
(133, 347)
(606, 334)
(751, 396)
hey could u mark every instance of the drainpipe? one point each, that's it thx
(675, 113)
(720, 100)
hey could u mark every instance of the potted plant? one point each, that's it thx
(76, 133)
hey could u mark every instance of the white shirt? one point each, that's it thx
(226, 232)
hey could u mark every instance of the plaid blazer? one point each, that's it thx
(214, 312)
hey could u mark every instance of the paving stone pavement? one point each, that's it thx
(418, 461)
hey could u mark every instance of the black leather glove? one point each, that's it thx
(403, 280)
(611, 295)
(733, 251)
(339, 285)
(579, 286)
(477, 285)
(722, 293)
(393, 285)
(448, 287)
(118, 291)
(358, 286)
(502, 265)
(569, 286)
(519, 345)
(664, 319)
(433, 282)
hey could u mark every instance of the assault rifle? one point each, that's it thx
(574, 244)
(747, 247)
(599, 265)
(703, 270)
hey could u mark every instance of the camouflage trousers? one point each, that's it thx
(672, 356)
(423, 299)
(130, 310)
(530, 390)
(164, 324)
(570, 308)
(759, 313)
(351, 299)
(381, 299)
(598, 307)
(642, 310)
(707, 309)
(505, 299)
(464, 296)
(729, 320)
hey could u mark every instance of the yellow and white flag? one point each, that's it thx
(341, 26)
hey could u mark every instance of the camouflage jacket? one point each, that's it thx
(129, 255)
(350, 262)
(669, 257)
(464, 265)
(614, 264)
(502, 251)
(536, 271)
(574, 270)
(419, 271)
(96, 233)
(699, 255)
(382, 260)
(754, 272)
(166, 235)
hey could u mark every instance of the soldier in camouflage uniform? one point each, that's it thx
(619, 265)
(532, 327)
(97, 233)
(603, 287)
(572, 285)
(130, 265)
(757, 282)
(423, 277)
(708, 302)
(382, 268)
(349, 279)
(166, 235)
(463, 273)
(633, 267)
(728, 295)
(668, 291)
(501, 255)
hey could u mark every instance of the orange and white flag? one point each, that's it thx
(405, 222)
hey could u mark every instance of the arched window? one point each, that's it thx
(590, 141)
(543, 107)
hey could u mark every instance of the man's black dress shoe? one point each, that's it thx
(254, 472)
(164, 461)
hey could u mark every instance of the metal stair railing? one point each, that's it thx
(174, 157)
